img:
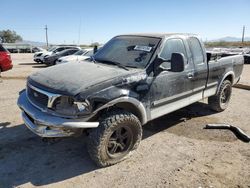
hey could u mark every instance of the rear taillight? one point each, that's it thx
(5, 54)
(8, 55)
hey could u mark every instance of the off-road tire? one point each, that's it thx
(99, 139)
(215, 102)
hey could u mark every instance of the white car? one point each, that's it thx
(76, 57)
(39, 56)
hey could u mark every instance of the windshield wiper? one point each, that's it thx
(113, 62)
(131, 66)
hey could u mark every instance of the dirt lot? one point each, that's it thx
(175, 151)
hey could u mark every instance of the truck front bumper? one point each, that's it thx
(47, 125)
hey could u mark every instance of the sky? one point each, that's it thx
(87, 21)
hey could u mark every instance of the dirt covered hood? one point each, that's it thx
(73, 78)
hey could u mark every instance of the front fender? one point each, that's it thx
(128, 100)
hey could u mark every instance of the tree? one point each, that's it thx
(8, 36)
(94, 44)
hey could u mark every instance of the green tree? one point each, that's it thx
(95, 44)
(8, 36)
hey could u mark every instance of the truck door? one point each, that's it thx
(199, 78)
(169, 88)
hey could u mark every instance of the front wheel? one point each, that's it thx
(220, 101)
(118, 134)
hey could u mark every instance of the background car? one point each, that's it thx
(78, 56)
(37, 49)
(51, 60)
(5, 59)
(39, 56)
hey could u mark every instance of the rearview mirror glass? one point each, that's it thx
(177, 62)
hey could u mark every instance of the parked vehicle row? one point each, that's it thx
(78, 56)
(51, 59)
(5, 59)
(62, 54)
(39, 57)
(130, 81)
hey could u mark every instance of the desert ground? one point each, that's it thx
(176, 150)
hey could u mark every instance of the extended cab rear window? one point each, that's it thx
(173, 46)
(2, 49)
(196, 50)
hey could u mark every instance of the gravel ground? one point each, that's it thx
(175, 151)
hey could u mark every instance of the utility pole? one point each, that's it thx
(79, 31)
(46, 31)
(243, 34)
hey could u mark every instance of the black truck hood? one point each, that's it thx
(73, 78)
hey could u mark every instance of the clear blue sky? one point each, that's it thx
(99, 20)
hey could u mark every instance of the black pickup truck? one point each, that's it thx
(132, 80)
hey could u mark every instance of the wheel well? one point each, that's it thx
(230, 78)
(130, 108)
(122, 105)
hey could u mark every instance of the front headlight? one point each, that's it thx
(68, 106)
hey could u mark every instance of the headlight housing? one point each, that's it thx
(67, 106)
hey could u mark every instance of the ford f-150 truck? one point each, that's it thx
(132, 80)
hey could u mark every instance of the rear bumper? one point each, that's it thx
(6, 66)
(47, 125)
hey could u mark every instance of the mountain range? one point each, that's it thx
(230, 39)
(226, 39)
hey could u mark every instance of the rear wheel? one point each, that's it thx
(118, 134)
(220, 101)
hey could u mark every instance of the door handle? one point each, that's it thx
(190, 75)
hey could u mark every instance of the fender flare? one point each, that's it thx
(230, 73)
(136, 103)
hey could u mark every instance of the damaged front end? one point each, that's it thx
(53, 115)
(49, 114)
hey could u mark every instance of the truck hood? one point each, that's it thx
(73, 78)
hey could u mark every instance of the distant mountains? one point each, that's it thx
(33, 43)
(226, 39)
(230, 39)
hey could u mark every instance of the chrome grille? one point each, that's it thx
(37, 98)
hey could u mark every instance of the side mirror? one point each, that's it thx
(177, 62)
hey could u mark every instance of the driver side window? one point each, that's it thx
(172, 46)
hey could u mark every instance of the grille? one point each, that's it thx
(37, 98)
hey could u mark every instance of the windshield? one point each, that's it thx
(80, 52)
(128, 51)
(51, 49)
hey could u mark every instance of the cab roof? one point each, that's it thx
(160, 35)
